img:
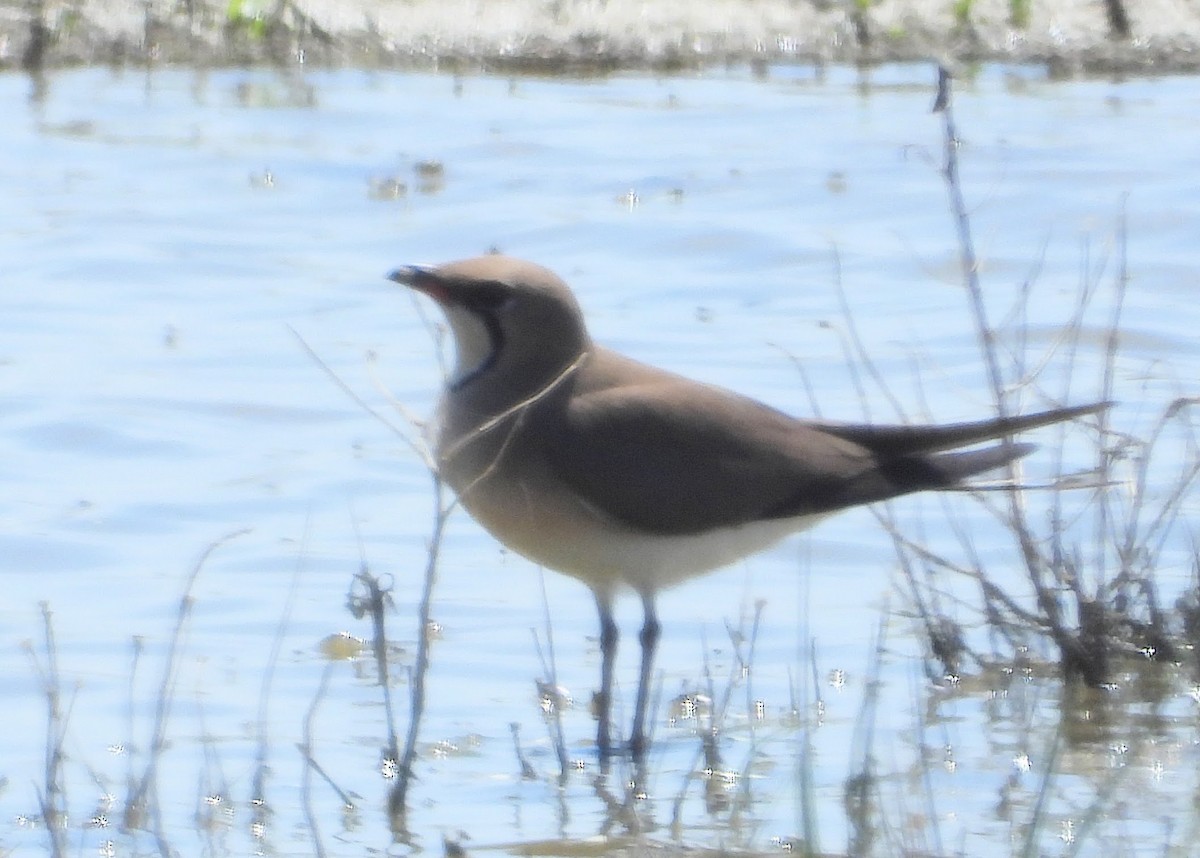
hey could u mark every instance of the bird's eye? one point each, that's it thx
(495, 297)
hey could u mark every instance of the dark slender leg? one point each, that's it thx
(649, 639)
(609, 636)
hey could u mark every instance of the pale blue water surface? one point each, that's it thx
(167, 240)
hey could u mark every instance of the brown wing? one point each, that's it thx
(670, 461)
(667, 455)
(674, 462)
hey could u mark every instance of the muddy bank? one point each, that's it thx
(1069, 36)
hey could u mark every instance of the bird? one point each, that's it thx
(628, 477)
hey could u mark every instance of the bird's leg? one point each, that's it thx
(649, 639)
(602, 703)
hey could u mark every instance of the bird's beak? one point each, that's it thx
(423, 279)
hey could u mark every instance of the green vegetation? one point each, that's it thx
(962, 12)
(1019, 12)
(246, 17)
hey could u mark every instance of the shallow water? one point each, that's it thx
(170, 240)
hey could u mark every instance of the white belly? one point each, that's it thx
(648, 563)
(563, 534)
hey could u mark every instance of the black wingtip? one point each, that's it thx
(950, 470)
(1093, 408)
(1025, 422)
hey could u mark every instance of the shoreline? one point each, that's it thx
(1069, 37)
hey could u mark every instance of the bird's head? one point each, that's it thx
(511, 320)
